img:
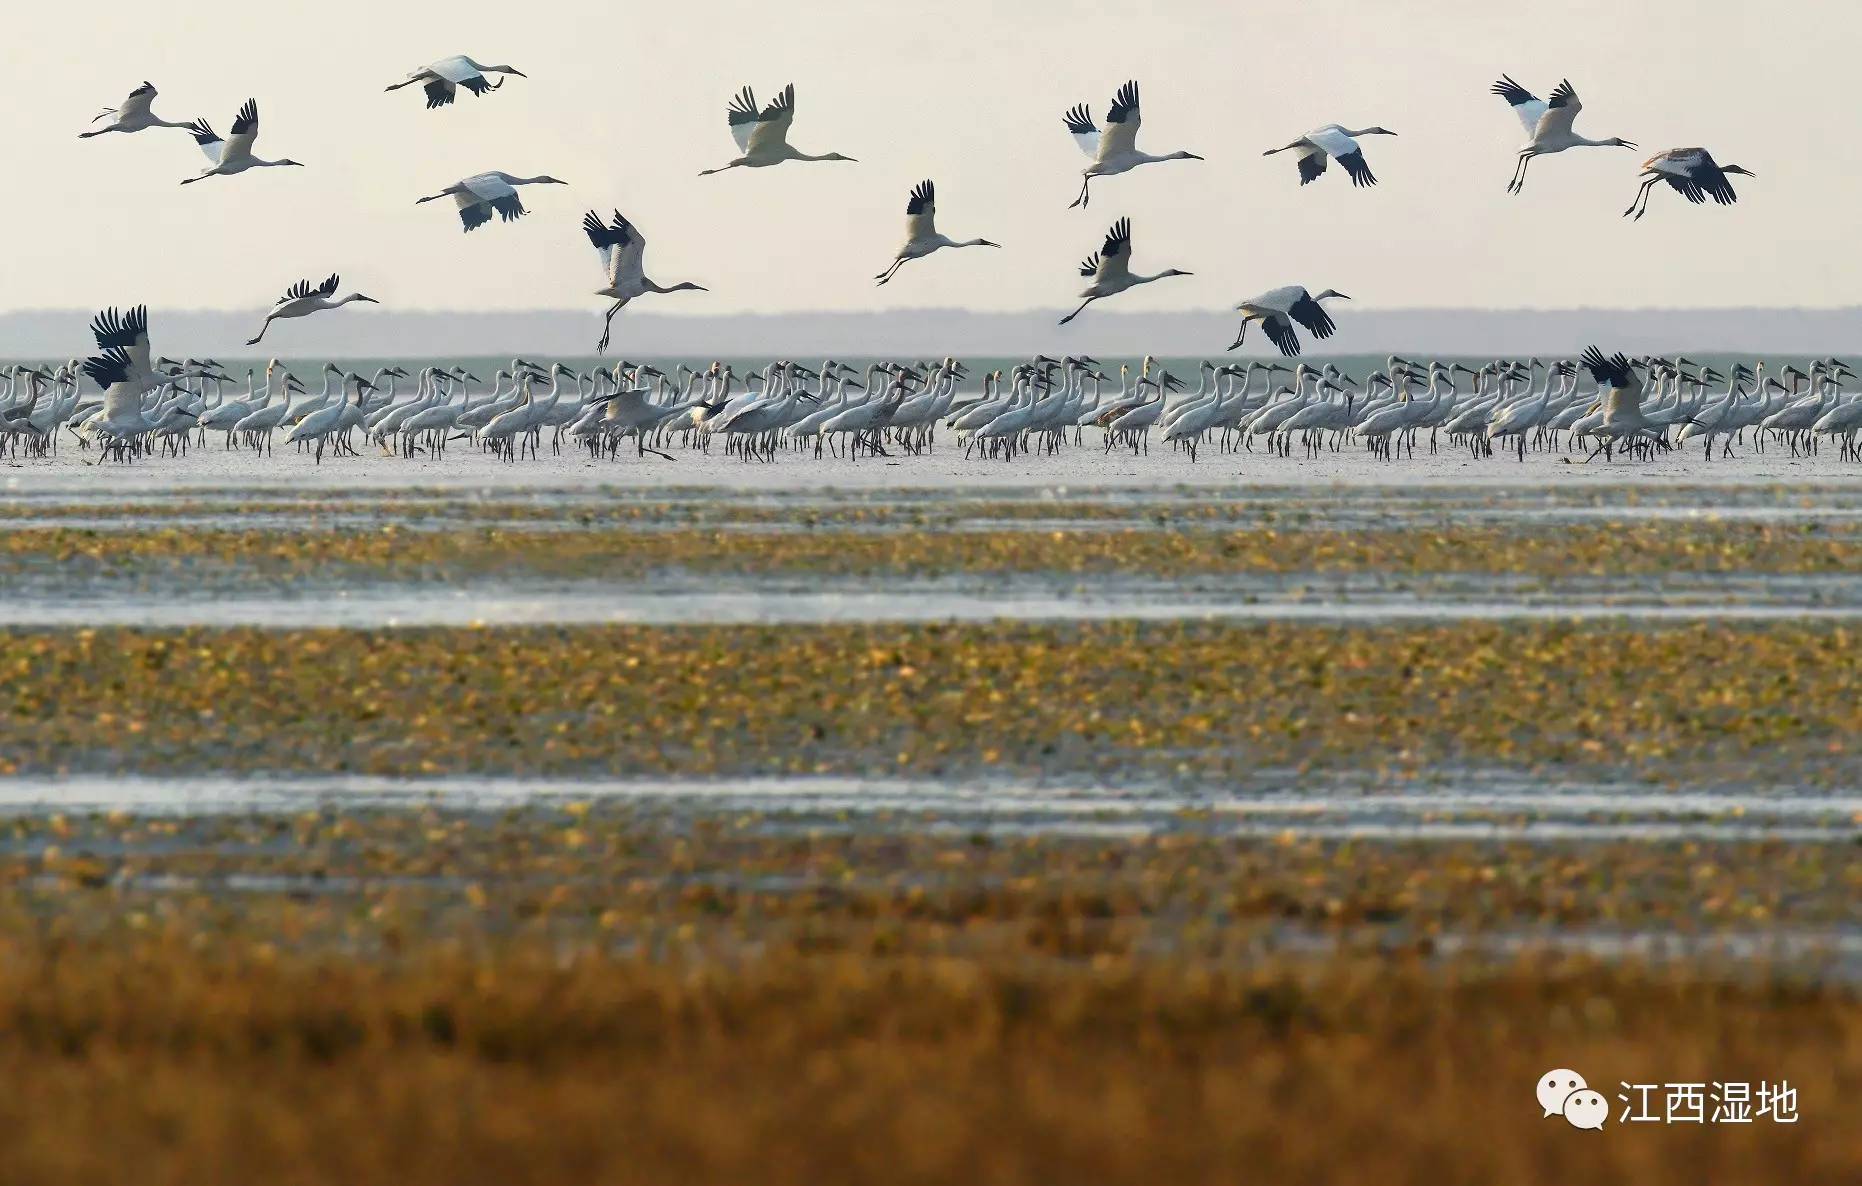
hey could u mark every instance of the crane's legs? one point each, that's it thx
(1642, 199)
(607, 327)
(1519, 170)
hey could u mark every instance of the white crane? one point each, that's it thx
(1621, 391)
(1114, 150)
(321, 424)
(1693, 173)
(623, 251)
(132, 115)
(483, 194)
(1548, 123)
(301, 300)
(1335, 143)
(1278, 309)
(762, 135)
(233, 154)
(921, 234)
(122, 418)
(443, 79)
(1110, 269)
(231, 412)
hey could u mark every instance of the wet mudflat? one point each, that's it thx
(426, 558)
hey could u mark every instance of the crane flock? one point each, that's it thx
(1043, 405)
(1608, 405)
(761, 134)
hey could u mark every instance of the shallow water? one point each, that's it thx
(1444, 805)
(39, 597)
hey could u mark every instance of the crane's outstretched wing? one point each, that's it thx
(1353, 164)
(245, 130)
(921, 211)
(1346, 152)
(473, 213)
(137, 104)
(1608, 372)
(742, 114)
(772, 123)
(440, 93)
(1560, 112)
(1081, 127)
(108, 369)
(119, 330)
(1279, 331)
(1700, 176)
(304, 288)
(622, 248)
(1526, 105)
(1122, 121)
(1312, 161)
(1312, 315)
(497, 193)
(460, 72)
(208, 140)
(1115, 253)
(630, 255)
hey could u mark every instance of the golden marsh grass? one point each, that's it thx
(577, 995)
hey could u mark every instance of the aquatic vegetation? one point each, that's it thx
(399, 553)
(1166, 698)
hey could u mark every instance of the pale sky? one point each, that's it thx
(626, 102)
